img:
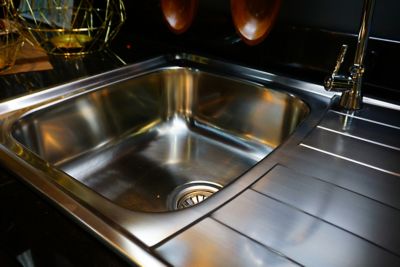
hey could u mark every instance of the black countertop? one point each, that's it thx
(64, 70)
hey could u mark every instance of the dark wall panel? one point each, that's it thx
(304, 42)
(343, 16)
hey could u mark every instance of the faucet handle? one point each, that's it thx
(340, 59)
(336, 82)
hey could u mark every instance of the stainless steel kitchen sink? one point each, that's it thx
(144, 141)
(129, 151)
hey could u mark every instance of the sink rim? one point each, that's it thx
(108, 220)
(246, 138)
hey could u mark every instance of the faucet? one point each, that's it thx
(350, 85)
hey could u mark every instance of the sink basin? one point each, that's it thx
(138, 154)
(164, 140)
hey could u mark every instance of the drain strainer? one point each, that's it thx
(190, 194)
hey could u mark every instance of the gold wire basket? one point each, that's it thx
(10, 43)
(71, 27)
(11, 38)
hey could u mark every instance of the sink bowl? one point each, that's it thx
(132, 154)
(164, 140)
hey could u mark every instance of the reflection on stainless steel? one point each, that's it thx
(351, 84)
(355, 213)
(191, 193)
(351, 160)
(379, 133)
(382, 120)
(348, 148)
(344, 133)
(134, 142)
(346, 121)
(210, 243)
(323, 211)
(299, 236)
(110, 148)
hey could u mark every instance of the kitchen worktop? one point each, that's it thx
(331, 199)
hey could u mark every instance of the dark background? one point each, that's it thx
(303, 44)
(339, 15)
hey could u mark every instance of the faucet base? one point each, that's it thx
(351, 100)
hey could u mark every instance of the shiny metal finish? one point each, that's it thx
(372, 183)
(317, 209)
(349, 147)
(134, 142)
(375, 114)
(98, 146)
(364, 31)
(336, 82)
(354, 213)
(327, 196)
(192, 193)
(352, 126)
(373, 135)
(350, 85)
(210, 243)
(301, 237)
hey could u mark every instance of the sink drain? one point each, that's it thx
(192, 193)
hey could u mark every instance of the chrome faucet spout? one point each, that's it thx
(363, 34)
(351, 85)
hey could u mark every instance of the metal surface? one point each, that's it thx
(374, 184)
(73, 28)
(349, 147)
(351, 84)
(381, 126)
(190, 194)
(170, 121)
(135, 141)
(301, 237)
(318, 209)
(378, 133)
(375, 114)
(210, 243)
(330, 196)
(354, 213)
